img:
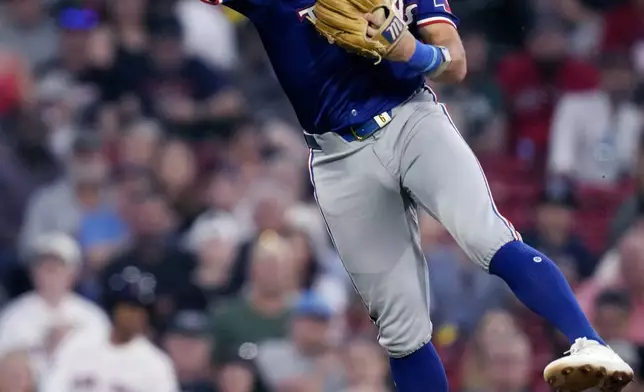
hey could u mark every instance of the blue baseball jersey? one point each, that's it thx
(329, 88)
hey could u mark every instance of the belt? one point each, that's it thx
(353, 133)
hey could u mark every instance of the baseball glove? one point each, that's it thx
(342, 22)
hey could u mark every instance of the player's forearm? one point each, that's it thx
(436, 62)
(445, 35)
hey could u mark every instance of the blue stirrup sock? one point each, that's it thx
(420, 371)
(426, 58)
(539, 284)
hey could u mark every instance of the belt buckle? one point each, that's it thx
(355, 134)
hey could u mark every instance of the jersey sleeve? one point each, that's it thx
(435, 11)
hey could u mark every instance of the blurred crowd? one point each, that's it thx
(154, 182)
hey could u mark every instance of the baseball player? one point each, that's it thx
(381, 145)
(121, 360)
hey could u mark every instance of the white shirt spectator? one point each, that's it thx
(592, 141)
(202, 24)
(27, 322)
(90, 362)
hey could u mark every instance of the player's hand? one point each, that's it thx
(405, 48)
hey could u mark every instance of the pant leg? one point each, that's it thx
(375, 231)
(443, 174)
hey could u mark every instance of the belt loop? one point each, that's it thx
(311, 142)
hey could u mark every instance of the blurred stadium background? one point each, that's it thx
(154, 134)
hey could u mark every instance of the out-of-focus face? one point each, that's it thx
(167, 53)
(223, 193)
(130, 320)
(554, 221)
(476, 47)
(129, 11)
(73, 48)
(190, 355)
(507, 365)
(549, 45)
(365, 364)
(632, 261)
(235, 378)
(51, 277)
(178, 166)
(611, 322)
(273, 271)
(151, 217)
(618, 82)
(310, 334)
(138, 148)
(269, 214)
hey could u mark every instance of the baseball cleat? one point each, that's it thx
(588, 365)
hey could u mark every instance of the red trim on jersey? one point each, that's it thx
(434, 21)
(211, 2)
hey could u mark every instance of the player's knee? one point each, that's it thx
(402, 337)
(481, 245)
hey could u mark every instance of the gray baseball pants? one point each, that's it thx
(368, 192)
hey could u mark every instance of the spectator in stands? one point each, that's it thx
(479, 100)
(154, 250)
(624, 26)
(139, 144)
(495, 326)
(38, 320)
(554, 232)
(177, 173)
(62, 205)
(507, 366)
(586, 27)
(27, 29)
(15, 373)
(612, 314)
(594, 134)
(302, 361)
(365, 367)
(118, 358)
(26, 164)
(76, 65)
(266, 204)
(187, 345)
(632, 208)
(237, 376)
(532, 80)
(180, 90)
(260, 313)
(214, 241)
(624, 272)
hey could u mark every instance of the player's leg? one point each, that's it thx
(375, 232)
(441, 171)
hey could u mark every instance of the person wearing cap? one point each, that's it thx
(302, 361)
(188, 345)
(261, 312)
(122, 358)
(37, 320)
(554, 234)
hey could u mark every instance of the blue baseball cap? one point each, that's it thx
(77, 19)
(312, 305)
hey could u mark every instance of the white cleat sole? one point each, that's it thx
(566, 378)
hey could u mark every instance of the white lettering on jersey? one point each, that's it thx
(308, 14)
(404, 12)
